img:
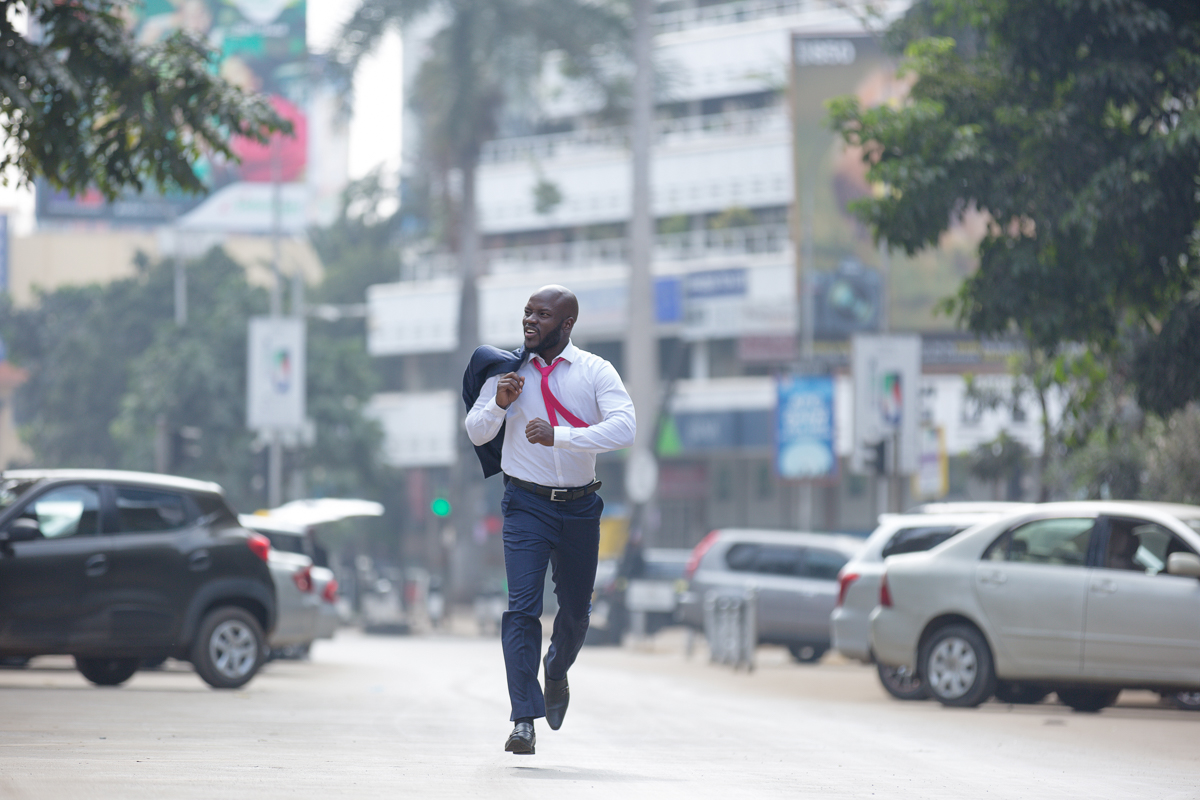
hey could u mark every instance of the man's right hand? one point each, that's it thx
(509, 389)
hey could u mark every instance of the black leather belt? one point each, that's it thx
(556, 494)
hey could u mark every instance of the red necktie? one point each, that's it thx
(552, 402)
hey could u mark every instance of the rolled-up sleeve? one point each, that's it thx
(485, 417)
(618, 423)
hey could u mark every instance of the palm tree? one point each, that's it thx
(483, 56)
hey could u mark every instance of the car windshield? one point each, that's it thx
(11, 490)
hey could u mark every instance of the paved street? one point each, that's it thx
(426, 717)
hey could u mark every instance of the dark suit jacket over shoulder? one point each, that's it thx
(486, 362)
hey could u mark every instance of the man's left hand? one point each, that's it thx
(538, 431)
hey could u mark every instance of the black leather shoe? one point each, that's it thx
(557, 695)
(521, 740)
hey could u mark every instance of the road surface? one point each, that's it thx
(426, 716)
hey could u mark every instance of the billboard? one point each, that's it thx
(276, 379)
(261, 46)
(804, 430)
(829, 176)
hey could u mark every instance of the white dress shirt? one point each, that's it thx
(587, 386)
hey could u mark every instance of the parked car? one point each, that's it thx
(297, 599)
(858, 581)
(652, 587)
(795, 575)
(121, 568)
(1083, 599)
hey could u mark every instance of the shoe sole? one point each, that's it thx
(519, 749)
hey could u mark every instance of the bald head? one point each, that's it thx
(549, 318)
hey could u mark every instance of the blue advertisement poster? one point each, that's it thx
(804, 433)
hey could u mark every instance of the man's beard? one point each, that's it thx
(549, 341)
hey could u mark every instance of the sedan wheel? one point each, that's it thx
(229, 649)
(806, 653)
(1188, 701)
(957, 666)
(902, 683)
(1088, 700)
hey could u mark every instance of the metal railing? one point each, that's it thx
(731, 628)
(745, 240)
(668, 132)
(731, 13)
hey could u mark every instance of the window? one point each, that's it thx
(767, 559)
(822, 564)
(1140, 546)
(918, 540)
(66, 511)
(146, 510)
(1062, 542)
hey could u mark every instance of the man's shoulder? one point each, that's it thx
(586, 358)
(486, 357)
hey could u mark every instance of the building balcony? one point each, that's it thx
(690, 245)
(669, 134)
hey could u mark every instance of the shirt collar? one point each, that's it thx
(569, 354)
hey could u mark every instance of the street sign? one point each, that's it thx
(804, 442)
(275, 383)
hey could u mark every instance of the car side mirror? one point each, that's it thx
(21, 529)
(1187, 564)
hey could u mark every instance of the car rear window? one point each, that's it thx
(788, 560)
(918, 540)
(148, 510)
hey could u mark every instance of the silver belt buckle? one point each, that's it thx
(554, 496)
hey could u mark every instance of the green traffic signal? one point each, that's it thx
(440, 507)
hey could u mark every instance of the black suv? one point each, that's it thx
(116, 568)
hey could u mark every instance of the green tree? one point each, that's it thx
(110, 369)
(82, 104)
(1075, 127)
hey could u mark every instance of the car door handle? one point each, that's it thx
(199, 561)
(96, 565)
(1104, 586)
(995, 578)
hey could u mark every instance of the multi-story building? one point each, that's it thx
(554, 197)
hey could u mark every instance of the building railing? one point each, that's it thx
(731, 13)
(745, 240)
(669, 132)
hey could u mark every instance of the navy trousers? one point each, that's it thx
(565, 535)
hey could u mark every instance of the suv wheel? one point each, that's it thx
(107, 671)
(956, 664)
(229, 649)
(902, 683)
(1088, 700)
(1187, 701)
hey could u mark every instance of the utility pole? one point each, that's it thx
(641, 341)
(275, 447)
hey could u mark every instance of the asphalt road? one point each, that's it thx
(426, 716)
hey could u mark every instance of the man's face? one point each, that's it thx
(544, 322)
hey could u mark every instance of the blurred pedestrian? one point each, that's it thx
(551, 509)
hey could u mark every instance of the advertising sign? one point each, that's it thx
(829, 176)
(275, 383)
(261, 46)
(887, 375)
(805, 428)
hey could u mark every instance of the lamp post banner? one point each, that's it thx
(275, 383)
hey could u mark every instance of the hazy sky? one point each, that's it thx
(374, 128)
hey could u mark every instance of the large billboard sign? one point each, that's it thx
(829, 176)
(804, 431)
(261, 46)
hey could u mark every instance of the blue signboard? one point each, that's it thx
(3, 252)
(804, 433)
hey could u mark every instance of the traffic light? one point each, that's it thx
(440, 507)
(876, 457)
